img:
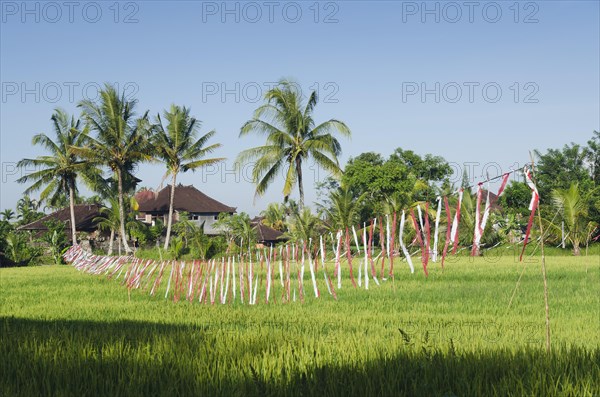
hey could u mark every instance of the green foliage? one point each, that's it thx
(516, 198)
(592, 153)
(274, 216)
(343, 209)
(397, 182)
(305, 226)
(558, 168)
(573, 208)
(178, 146)
(177, 248)
(120, 143)
(292, 138)
(155, 231)
(56, 240)
(56, 173)
(7, 215)
(19, 249)
(141, 233)
(65, 333)
(237, 228)
(27, 210)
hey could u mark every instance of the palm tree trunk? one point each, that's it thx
(111, 241)
(72, 208)
(122, 233)
(170, 219)
(300, 186)
(576, 249)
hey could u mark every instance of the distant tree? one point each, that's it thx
(397, 182)
(592, 153)
(274, 216)
(466, 181)
(343, 210)
(304, 226)
(109, 220)
(516, 198)
(7, 215)
(27, 210)
(573, 207)
(558, 168)
(237, 228)
(19, 250)
(56, 240)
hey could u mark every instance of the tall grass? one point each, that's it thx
(68, 333)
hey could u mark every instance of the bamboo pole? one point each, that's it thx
(546, 303)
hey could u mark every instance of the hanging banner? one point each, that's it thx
(535, 199)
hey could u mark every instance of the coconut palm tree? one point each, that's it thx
(304, 226)
(109, 221)
(573, 207)
(292, 138)
(344, 209)
(27, 210)
(7, 214)
(121, 141)
(177, 145)
(274, 216)
(237, 227)
(57, 172)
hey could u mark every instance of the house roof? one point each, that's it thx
(266, 233)
(187, 198)
(494, 204)
(84, 216)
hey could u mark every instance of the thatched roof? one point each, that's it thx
(187, 198)
(84, 216)
(265, 233)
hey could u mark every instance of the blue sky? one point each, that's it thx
(482, 83)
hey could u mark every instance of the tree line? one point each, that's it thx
(103, 146)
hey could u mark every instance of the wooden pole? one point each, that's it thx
(547, 306)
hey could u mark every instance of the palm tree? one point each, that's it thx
(7, 214)
(27, 210)
(274, 216)
(121, 141)
(110, 220)
(61, 167)
(573, 207)
(304, 226)
(237, 227)
(176, 145)
(292, 138)
(344, 209)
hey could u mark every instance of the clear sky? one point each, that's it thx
(474, 82)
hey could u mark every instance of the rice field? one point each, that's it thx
(68, 333)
